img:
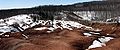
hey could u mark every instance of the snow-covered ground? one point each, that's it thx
(115, 19)
(98, 44)
(26, 19)
(86, 15)
(19, 19)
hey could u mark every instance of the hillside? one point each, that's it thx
(86, 6)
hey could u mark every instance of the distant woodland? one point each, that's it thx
(109, 8)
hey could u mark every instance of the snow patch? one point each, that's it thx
(105, 39)
(96, 44)
(42, 28)
(87, 34)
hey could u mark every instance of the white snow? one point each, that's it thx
(64, 24)
(7, 29)
(42, 28)
(106, 39)
(87, 34)
(21, 19)
(86, 15)
(94, 33)
(2, 24)
(96, 44)
(51, 28)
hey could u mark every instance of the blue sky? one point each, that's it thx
(8, 4)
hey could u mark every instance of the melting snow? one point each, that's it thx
(87, 34)
(42, 28)
(96, 44)
(106, 39)
(21, 19)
